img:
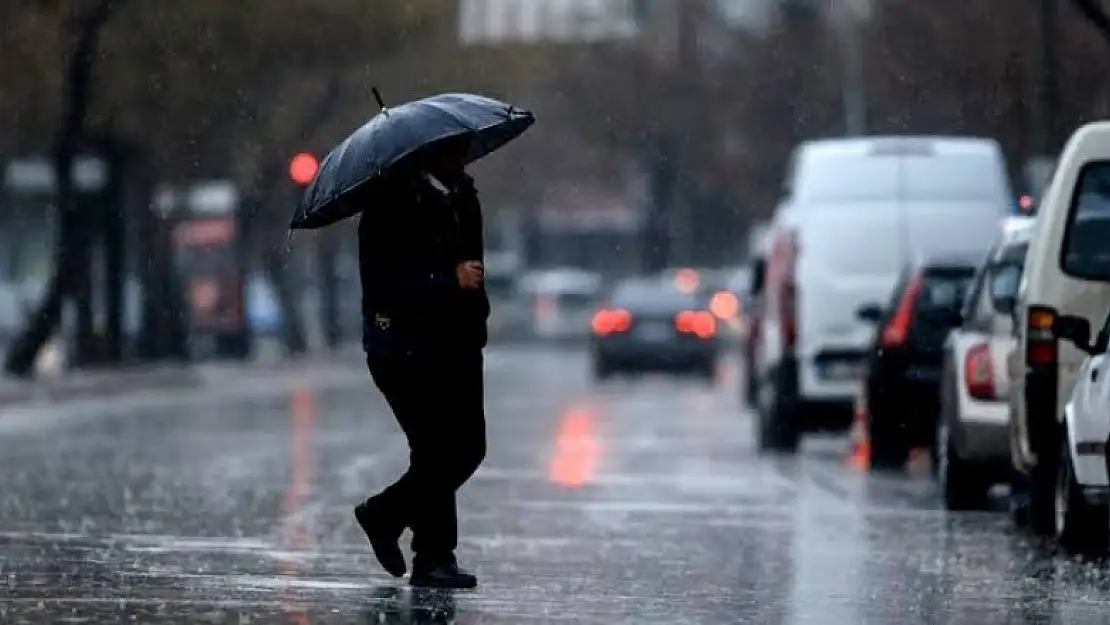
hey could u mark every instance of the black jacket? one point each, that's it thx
(412, 236)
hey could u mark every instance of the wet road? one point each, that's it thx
(634, 502)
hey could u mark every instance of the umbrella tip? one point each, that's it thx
(378, 97)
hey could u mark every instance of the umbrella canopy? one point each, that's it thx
(394, 135)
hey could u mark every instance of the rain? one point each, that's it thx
(779, 312)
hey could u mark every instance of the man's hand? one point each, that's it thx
(470, 274)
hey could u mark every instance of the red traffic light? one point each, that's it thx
(303, 167)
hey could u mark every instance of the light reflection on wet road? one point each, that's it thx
(636, 502)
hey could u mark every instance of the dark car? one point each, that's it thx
(650, 325)
(902, 386)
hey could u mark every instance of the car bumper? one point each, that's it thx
(985, 442)
(633, 353)
(909, 403)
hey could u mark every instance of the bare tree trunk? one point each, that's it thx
(46, 318)
(327, 255)
(292, 330)
(274, 261)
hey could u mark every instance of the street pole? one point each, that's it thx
(1048, 124)
(687, 68)
(845, 18)
(664, 162)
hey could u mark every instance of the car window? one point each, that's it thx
(868, 177)
(638, 296)
(945, 289)
(1085, 252)
(965, 176)
(844, 178)
(575, 299)
(976, 306)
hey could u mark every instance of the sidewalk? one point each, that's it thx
(78, 385)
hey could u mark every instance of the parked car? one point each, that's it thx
(1067, 272)
(1082, 489)
(902, 383)
(510, 315)
(973, 432)
(649, 325)
(562, 301)
(854, 212)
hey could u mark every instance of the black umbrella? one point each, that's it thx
(397, 133)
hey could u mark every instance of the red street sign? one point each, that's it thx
(302, 169)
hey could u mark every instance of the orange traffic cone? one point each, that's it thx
(859, 450)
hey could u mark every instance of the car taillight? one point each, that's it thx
(724, 305)
(1040, 345)
(696, 322)
(897, 329)
(611, 321)
(979, 372)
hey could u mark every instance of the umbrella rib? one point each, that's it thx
(457, 118)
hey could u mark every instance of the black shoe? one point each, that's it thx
(445, 574)
(383, 536)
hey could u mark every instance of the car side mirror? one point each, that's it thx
(871, 313)
(1076, 330)
(1101, 344)
(1004, 304)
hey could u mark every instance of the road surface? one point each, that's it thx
(639, 501)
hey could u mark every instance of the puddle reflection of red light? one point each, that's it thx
(303, 415)
(577, 450)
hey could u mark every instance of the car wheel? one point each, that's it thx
(1082, 528)
(602, 369)
(889, 449)
(1019, 499)
(777, 418)
(962, 484)
(708, 371)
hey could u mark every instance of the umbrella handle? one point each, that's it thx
(378, 97)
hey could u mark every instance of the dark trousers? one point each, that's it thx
(438, 400)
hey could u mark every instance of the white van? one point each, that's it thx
(1067, 274)
(855, 212)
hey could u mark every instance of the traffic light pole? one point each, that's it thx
(845, 20)
(1049, 122)
(663, 160)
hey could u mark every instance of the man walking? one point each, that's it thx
(425, 311)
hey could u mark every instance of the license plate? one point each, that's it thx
(654, 332)
(844, 371)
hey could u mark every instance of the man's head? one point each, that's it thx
(448, 158)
